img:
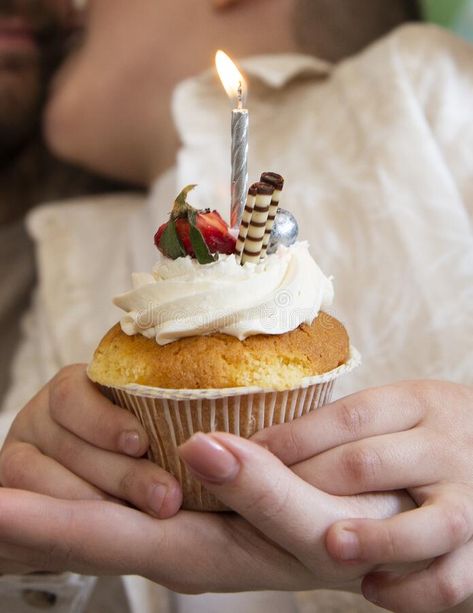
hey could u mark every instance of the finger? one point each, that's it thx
(258, 486)
(8, 566)
(372, 412)
(190, 553)
(23, 466)
(144, 484)
(379, 463)
(421, 534)
(444, 584)
(76, 404)
(10, 556)
(55, 535)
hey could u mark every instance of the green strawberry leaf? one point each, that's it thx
(170, 243)
(181, 207)
(199, 245)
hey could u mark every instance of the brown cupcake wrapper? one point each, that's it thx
(170, 417)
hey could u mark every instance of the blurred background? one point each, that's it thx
(454, 14)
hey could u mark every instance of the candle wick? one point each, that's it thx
(240, 95)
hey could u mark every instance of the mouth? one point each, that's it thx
(17, 37)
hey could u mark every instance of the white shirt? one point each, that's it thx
(378, 158)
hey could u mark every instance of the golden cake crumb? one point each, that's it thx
(219, 360)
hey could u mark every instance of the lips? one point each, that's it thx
(16, 35)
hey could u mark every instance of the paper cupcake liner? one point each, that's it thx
(170, 417)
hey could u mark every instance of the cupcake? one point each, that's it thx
(222, 335)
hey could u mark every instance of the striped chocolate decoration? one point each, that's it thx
(245, 221)
(257, 225)
(277, 181)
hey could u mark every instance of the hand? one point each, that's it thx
(71, 442)
(413, 435)
(290, 512)
(276, 543)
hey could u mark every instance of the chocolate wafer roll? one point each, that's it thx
(256, 230)
(245, 221)
(277, 181)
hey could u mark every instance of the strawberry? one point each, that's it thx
(198, 233)
(184, 233)
(216, 232)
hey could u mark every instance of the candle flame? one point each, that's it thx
(232, 79)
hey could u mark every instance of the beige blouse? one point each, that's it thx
(378, 157)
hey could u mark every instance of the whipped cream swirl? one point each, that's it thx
(183, 298)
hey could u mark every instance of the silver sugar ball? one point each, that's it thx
(285, 230)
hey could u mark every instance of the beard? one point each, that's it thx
(24, 75)
(21, 98)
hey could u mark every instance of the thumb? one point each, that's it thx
(257, 485)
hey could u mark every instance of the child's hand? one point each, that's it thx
(413, 435)
(276, 541)
(72, 443)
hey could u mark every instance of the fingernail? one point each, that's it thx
(209, 460)
(130, 443)
(156, 497)
(348, 545)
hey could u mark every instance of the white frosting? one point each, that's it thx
(183, 298)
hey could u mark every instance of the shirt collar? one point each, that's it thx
(277, 71)
(200, 104)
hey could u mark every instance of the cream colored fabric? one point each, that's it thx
(378, 158)
(76, 267)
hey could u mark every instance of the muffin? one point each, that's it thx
(213, 340)
(221, 361)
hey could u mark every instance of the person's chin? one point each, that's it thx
(19, 58)
(20, 95)
(19, 79)
(18, 68)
